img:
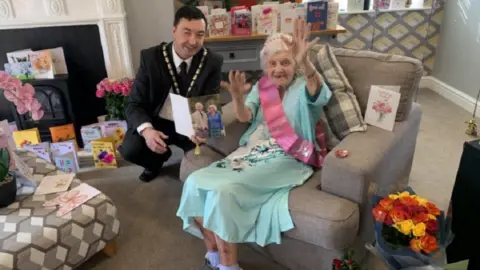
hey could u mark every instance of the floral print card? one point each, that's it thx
(72, 199)
(382, 106)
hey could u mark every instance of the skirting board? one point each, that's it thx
(454, 95)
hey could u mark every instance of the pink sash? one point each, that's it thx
(282, 131)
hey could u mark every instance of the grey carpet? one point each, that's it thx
(151, 235)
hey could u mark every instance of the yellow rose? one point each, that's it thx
(432, 217)
(405, 226)
(399, 195)
(419, 229)
(421, 201)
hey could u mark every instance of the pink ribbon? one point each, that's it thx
(282, 131)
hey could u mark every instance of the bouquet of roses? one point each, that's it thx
(115, 93)
(410, 231)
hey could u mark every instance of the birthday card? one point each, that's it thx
(64, 133)
(42, 64)
(115, 130)
(90, 133)
(104, 153)
(42, 150)
(54, 184)
(72, 199)
(24, 170)
(65, 156)
(26, 137)
(382, 106)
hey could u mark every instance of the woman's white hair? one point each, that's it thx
(273, 45)
(213, 106)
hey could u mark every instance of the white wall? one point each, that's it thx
(458, 55)
(149, 23)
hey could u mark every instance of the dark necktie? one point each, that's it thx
(183, 79)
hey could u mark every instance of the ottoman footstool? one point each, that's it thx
(34, 237)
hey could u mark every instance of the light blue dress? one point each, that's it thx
(244, 197)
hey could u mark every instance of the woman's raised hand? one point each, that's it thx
(299, 45)
(237, 84)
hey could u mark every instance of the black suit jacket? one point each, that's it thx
(153, 83)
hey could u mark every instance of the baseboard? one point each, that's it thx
(454, 95)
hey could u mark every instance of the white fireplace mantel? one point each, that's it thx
(109, 15)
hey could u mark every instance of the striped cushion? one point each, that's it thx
(343, 112)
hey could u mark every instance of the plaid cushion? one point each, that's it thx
(343, 111)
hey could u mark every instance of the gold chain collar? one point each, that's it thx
(170, 69)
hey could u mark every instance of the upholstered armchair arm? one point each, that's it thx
(233, 129)
(377, 155)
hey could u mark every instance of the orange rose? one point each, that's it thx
(426, 244)
(379, 213)
(386, 203)
(432, 209)
(408, 201)
(398, 214)
(421, 217)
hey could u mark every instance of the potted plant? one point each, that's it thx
(8, 183)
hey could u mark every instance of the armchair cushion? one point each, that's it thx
(343, 111)
(383, 69)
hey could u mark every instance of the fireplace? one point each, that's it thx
(94, 37)
(67, 98)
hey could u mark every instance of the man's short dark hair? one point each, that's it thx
(189, 13)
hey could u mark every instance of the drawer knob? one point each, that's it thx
(231, 55)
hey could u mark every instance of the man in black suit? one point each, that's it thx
(182, 67)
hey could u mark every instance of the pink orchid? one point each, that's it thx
(23, 96)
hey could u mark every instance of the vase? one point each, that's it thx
(8, 190)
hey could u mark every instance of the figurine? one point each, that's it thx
(472, 128)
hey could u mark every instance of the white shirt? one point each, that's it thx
(177, 61)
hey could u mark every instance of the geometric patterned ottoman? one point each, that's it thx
(33, 237)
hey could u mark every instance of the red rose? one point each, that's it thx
(337, 263)
(388, 220)
(432, 226)
(350, 262)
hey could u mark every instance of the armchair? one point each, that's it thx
(331, 211)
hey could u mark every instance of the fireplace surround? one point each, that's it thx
(31, 21)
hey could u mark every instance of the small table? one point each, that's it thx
(33, 237)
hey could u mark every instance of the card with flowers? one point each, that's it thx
(26, 137)
(382, 106)
(104, 153)
(410, 231)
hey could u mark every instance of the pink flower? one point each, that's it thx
(117, 88)
(37, 115)
(8, 82)
(100, 93)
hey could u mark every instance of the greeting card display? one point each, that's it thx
(65, 156)
(72, 199)
(24, 170)
(42, 64)
(64, 133)
(89, 134)
(218, 25)
(54, 184)
(115, 130)
(204, 112)
(104, 153)
(26, 137)
(382, 106)
(317, 14)
(42, 150)
(19, 56)
(267, 22)
(205, 10)
(241, 21)
(20, 70)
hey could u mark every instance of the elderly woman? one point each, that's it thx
(215, 122)
(244, 197)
